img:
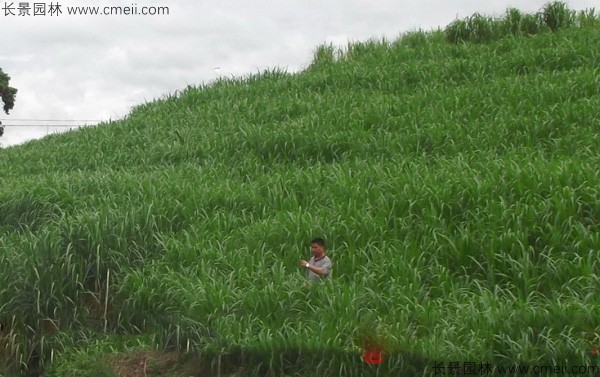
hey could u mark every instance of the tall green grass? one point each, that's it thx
(456, 184)
(483, 29)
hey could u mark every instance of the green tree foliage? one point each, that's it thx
(7, 94)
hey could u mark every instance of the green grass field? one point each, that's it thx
(454, 173)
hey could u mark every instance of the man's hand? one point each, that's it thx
(303, 263)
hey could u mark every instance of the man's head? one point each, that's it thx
(317, 247)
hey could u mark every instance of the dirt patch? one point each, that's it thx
(155, 364)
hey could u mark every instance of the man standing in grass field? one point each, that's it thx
(319, 266)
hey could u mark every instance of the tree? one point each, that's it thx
(7, 94)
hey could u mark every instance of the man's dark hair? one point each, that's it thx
(318, 241)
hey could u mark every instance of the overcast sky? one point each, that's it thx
(92, 68)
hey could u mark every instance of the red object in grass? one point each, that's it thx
(594, 351)
(373, 357)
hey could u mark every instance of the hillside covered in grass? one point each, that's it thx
(454, 174)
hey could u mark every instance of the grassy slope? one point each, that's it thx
(457, 185)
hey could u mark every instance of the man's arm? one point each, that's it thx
(321, 271)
